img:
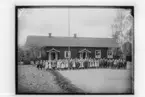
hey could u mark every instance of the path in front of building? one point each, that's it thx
(100, 80)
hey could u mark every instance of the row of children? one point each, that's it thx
(81, 63)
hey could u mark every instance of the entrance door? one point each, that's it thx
(84, 55)
(53, 55)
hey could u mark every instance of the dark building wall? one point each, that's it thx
(60, 54)
(75, 51)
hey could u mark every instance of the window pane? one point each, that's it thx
(109, 54)
(98, 54)
(67, 54)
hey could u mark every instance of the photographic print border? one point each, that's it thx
(68, 6)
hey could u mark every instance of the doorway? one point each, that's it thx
(53, 56)
(84, 55)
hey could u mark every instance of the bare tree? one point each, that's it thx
(122, 29)
(20, 54)
(35, 52)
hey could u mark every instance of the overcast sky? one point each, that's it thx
(85, 22)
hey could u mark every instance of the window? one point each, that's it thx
(98, 54)
(67, 54)
(109, 54)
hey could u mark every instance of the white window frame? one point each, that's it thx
(109, 56)
(69, 54)
(99, 55)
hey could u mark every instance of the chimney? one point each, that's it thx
(49, 35)
(75, 35)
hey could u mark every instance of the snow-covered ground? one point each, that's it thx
(100, 80)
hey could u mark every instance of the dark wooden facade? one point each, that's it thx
(74, 51)
(78, 46)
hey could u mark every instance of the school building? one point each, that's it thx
(73, 47)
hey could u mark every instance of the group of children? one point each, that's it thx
(63, 64)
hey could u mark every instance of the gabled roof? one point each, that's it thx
(70, 41)
(84, 50)
(53, 50)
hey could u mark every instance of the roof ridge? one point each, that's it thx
(68, 37)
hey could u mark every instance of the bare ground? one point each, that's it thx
(32, 80)
(101, 80)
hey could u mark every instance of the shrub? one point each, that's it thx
(26, 62)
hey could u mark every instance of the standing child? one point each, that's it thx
(46, 65)
(50, 66)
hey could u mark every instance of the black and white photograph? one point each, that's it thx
(74, 50)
